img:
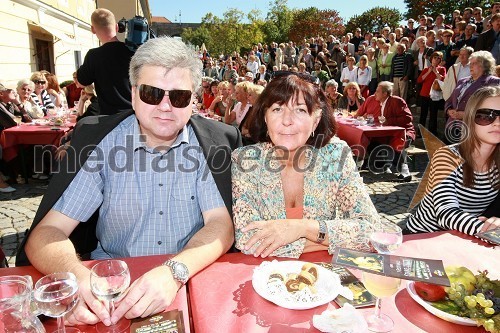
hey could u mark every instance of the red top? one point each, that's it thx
(427, 82)
(73, 94)
(207, 100)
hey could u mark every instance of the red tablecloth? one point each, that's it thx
(138, 266)
(222, 298)
(359, 137)
(29, 135)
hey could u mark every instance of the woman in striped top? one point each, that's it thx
(464, 178)
(40, 95)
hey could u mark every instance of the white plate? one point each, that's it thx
(435, 311)
(328, 285)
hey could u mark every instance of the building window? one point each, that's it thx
(78, 59)
(43, 59)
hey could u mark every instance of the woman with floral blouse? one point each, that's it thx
(298, 189)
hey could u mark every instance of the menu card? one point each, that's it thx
(361, 296)
(408, 268)
(166, 322)
(492, 236)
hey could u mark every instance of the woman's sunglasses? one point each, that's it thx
(39, 82)
(153, 96)
(486, 116)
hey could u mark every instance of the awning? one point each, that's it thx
(59, 35)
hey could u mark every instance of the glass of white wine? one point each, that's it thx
(108, 280)
(381, 120)
(56, 294)
(387, 239)
(18, 120)
(380, 286)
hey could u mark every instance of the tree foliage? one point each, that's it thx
(311, 22)
(375, 19)
(433, 8)
(278, 22)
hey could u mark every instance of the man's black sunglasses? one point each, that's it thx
(486, 116)
(153, 96)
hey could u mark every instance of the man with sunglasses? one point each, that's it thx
(158, 181)
(107, 66)
(11, 107)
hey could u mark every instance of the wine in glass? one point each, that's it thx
(18, 120)
(56, 294)
(381, 120)
(380, 286)
(387, 239)
(108, 280)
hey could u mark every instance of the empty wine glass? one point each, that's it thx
(108, 280)
(56, 294)
(380, 286)
(387, 239)
(381, 120)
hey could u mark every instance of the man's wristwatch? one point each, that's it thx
(180, 271)
(321, 232)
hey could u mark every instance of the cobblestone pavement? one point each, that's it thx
(17, 210)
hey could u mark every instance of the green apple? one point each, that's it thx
(461, 275)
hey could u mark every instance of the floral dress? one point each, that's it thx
(333, 192)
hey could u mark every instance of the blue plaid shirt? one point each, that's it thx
(150, 202)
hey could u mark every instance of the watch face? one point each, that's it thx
(181, 271)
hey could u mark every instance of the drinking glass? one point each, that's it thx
(381, 120)
(108, 280)
(387, 239)
(18, 120)
(56, 294)
(76, 104)
(380, 286)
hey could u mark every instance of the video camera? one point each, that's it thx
(137, 31)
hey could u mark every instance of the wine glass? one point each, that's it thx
(108, 280)
(56, 294)
(76, 103)
(381, 120)
(387, 239)
(380, 286)
(18, 120)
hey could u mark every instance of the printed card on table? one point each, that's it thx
(492, 236)
(166, 322)
(408, 268)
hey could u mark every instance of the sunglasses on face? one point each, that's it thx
(486, 116)
(153, 96)
(39, 82)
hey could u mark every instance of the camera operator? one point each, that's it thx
(107, 66)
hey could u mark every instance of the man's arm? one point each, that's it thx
(156, 289)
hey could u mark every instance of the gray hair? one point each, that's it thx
(169, 53)
(25, 82)
(330, 83)
(386, 87)
(486, 61)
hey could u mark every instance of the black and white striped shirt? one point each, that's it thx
(45, 103)
(448, 203)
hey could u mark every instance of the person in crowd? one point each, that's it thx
(332, 94)
(411, 29)
(384, 62)
(56, 94)
(481, 66)
(188, 214)
(262, 74)
(396, 113)
(338, 54)
(306, 57)
(242, 106)
(254, 91)
(40, 95)
(427, 79)
(421, 60)
(431, 40)
(11, 108)
(364, 76)
(495, 8)
(401, 71)
(211, 70)
(228, 73)
(88, 104)
(351, 99)
(469, 39)
(73, 91)
(490, 40)
(107, 66)
(456, 72)
(265, 58)
(372, 63)
(206, 94)
(290, 54)
(478, 19)
(274, 217)
(421, 33)
(349, 72)
(320, 74)
(223, 101)
(252, 65)
(24, 89)
(280, 56)
(446, 47)
(393, 44)
(439, 24)
(464, 178)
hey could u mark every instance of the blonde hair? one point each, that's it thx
(90, 89)
(37, 76)
(103, 18)
(353, 84)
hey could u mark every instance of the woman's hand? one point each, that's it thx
(489, 223)
(273, 234)
(452, 113)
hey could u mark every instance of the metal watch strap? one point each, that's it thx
(321, 232)
(173, 265)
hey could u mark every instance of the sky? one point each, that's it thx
(191, 11)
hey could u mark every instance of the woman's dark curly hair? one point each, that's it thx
(281, 90)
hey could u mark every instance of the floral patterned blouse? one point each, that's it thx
(333, 192)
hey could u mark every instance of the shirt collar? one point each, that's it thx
(139, 139)
(382, 105)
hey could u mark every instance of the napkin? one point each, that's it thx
(346, 319)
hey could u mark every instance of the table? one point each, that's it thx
(359, 137)
(222, 298)
(138, 266)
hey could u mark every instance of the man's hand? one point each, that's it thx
(149, 294)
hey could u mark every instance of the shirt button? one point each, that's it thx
(159, 242)
(160, 185)
(192, 197)
(161, 212)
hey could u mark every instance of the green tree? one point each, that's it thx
(433, 8)
(278, 22)
(375, 19)
(311, 22)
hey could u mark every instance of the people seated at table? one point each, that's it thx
(352, 99)
(12, 110)
(88, 104)
(254, 91)
(240, 109)
(332, 94)
(464, 178)
(24, 90)
(40, 95)
(73, 91)
(185, 211)
(396, 113)
(298, 189)
(56, 93)
(223, 101)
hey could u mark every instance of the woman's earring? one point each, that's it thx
(312, 134)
